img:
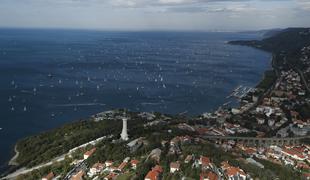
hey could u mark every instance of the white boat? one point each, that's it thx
(25, 108)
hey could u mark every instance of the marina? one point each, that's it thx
(240, 92)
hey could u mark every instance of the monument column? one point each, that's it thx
(124, 135)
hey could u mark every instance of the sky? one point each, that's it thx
(199, 15)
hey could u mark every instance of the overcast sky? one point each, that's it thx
(202, 15)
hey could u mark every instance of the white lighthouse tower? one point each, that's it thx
(124, 135)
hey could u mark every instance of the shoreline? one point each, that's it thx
(12, 161)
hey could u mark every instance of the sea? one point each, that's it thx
(49, 77)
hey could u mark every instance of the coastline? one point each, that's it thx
(12, 161)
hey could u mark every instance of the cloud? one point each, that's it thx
(304, 4)
(155, 14)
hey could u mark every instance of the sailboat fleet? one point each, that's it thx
(80, 84)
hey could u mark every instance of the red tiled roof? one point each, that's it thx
(205, 160)
(293, 153)
(250, 151)
(121, 166)
(306, 175)
(111, 176)
(90, 152)
(224, 165)
(158, 169)
(78, 176)
(303, 166)
(98, 165)
(49, 176)
(233, 171)
(152, 175)
(134, 162)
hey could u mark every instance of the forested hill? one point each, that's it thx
(286, 46)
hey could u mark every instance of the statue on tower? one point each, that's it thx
(124, 135)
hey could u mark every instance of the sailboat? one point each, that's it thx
(34, 91)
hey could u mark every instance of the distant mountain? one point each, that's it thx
(285, 45)
(288, 41)
(270, 32)
(265, 33)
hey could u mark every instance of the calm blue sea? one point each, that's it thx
(51, 77)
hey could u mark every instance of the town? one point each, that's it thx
(266, 136)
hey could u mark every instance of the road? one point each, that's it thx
(303, 79)
(57, 159)
(24, 170)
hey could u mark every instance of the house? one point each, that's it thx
(111, 176)
(95, 169)
(113, 169)
(155, 154)
(135, 144)
(205, 162)
(89, 153)
(108, 163)
(50, 176)
(174, 166)
(250, 151)
(134, 163)
(232, 172)
(288, 161)
(154, 174)
(235, 173)
(78, 176)
(126, 159)
(122, 166)
(293, 154)
(158, 169)
(306, 176)
(302, 166)
(209, 176)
